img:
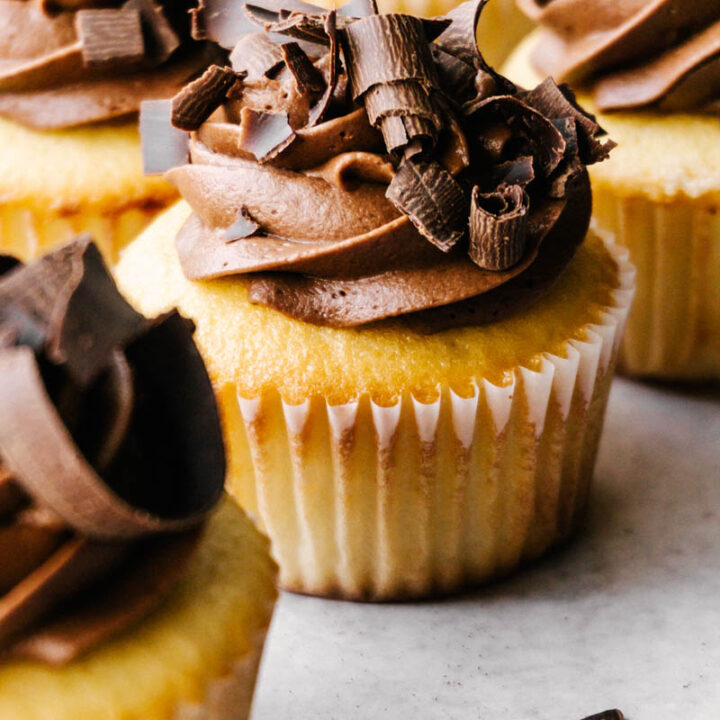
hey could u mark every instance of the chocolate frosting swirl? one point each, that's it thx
(633, 53)
(60, 66)
(410, 179)
(106, 471)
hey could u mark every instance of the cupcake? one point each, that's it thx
(500, 29)
(122, 565)
(411, 332)
(72, 77)
(652, 71)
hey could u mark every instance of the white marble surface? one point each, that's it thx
(627, 616)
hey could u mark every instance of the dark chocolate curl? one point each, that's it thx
(318, 111)
(163, 145)
(198, 100)
(110, 38)
(432, 199)
(391, 67)
(257, 56)
(309, 28)
(558, 102)
(66, 304)
(498, 227)
(387, 49)
(226, 22)
(308, 79)
(265, 135)
(163, 41)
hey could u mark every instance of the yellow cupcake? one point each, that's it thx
(387, 464)
(194, 657)
(501, 27)
(55, 184)
(659, 194)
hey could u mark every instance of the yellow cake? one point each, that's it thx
(55, 184)
(388, 464)
(195, 657)
(659, 194)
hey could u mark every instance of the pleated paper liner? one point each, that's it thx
(384, 503)
(194, 658)
(674, 327)
(29, 233)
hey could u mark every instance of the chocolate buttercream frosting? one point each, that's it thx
(369, 166)
(662, 54)
(107, 470)
(64, 64)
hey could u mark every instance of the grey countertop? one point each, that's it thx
(627, 615)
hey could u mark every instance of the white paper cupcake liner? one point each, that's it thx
(384, 503)
(674, 327)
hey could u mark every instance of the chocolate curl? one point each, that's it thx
(307, 27)
(541, 138)
(163, 145)
(257, 56)
(460, 41)
(197, 101)
(558, 102)
(263, 134)
(162, 40)
(318, 111)
(433, 201)
(243, 227)
(110, 38)
(66, 305)
(226, 22)
(498, 227)
(308, 79)
(391, 68)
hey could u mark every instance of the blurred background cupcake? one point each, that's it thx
(72, 76)
(411, 338)
(652, 71)
(129, 587)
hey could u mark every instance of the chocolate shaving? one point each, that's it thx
(163, 145)
(540, 137)
(243, 227)
(319, 110)
(110, 38)
(309, 28)
(433, 201)
(226, 23)
(66, 304)
(498, 227)
(198, 27)
(265, 135)
(606, 715)
(257, 56)
(558, 102)
(308, 79)
(198, 100)
(162, 41)
(391, 68)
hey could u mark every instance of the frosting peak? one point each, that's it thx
(633, 53)
(363, 167)
(69, 63)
